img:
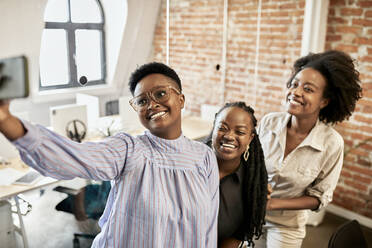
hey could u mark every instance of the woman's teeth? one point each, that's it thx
(228, 145)
(294, 102)
(157, 115)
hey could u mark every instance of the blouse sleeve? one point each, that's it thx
(56, 156)
(211, 161)
(324, 185)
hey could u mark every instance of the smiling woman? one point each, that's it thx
(303, 153)
(164, 186)
(243, 176)
(158, 99)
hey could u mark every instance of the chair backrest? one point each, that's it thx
(348, 235)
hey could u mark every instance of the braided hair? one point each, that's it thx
(254, 195)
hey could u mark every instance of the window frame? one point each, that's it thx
(70, 28)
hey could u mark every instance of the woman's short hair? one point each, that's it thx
(152, 68)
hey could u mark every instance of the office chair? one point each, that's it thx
(348, 235)
(94, 203)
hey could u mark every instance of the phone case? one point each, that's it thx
(13, 78)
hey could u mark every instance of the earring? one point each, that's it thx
(246, 153)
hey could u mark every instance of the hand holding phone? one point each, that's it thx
(4, 109)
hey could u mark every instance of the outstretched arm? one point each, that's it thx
(58, 157)
(10, 126)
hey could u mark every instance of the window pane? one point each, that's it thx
(56, 11)
(53, 58)
(83, 11)
(88, 54)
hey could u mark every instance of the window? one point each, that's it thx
(72, 52)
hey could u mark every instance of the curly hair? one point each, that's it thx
(343, 84)
(152, 68)
(254, 197)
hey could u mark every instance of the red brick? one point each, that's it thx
(364, 119)
(336, 20)
(347, 124)
(337, 2)
(347, 48)
(351, 11)
(359, 152)
(368, 13)
(365, 59)
(356, 185)
(362, 179)
(367, 3)
(366, 129)
(362, 41)
(366, 197)
(350, 202)
(367, 109)
(331, 12)
(364, 162)
(301, 4)
(348, 143)
(367, 144)
(345, 174)
(367, 93)
(361, 170)
(362, 22)
(364, 102)
(349, 29)
(367, 86)
(333, 37)
(266, 6)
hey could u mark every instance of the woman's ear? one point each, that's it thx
(182, 100)
(324, 103)
(251, 138)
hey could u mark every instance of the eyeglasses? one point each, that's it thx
(158, 94)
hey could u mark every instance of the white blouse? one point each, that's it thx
(312, 168)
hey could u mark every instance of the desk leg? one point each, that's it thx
(22, 226)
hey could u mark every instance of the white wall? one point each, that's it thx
(128, 43)
(21, 26)
(136, 43)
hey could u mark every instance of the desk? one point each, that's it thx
(9, 191)
(195, 127)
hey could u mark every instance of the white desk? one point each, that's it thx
(12, 191)
(195, 127)
(8, 191)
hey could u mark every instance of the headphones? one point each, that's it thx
(76, 130)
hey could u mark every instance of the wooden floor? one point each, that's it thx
(318, 237)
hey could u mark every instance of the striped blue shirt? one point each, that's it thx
(164, 192)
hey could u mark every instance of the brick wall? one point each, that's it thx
(350, 30)
(196, 30)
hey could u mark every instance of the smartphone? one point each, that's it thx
(29, 178)
(13, 78)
